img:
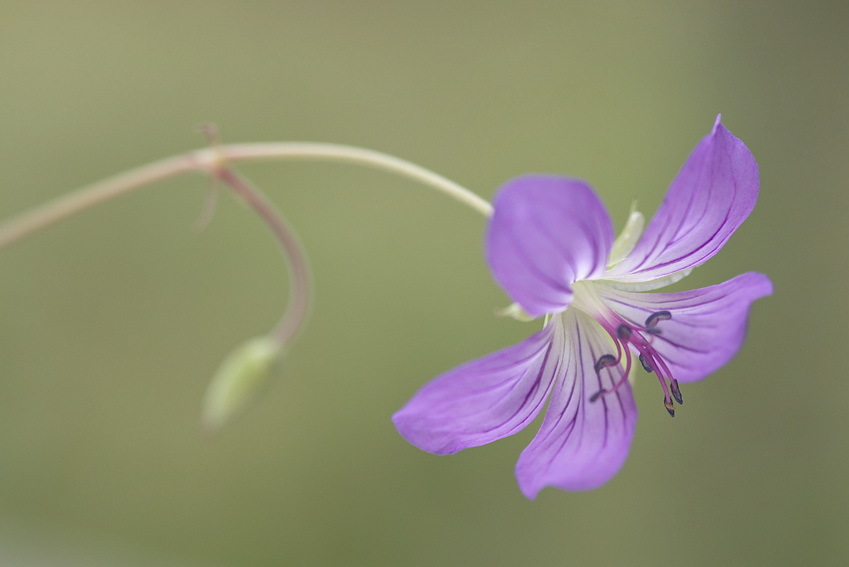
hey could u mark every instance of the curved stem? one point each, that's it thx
(299, 272)
(214, 160)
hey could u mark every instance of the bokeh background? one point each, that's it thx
(112, 323)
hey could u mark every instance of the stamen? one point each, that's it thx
(676, 391)
(670, 407)
(604, 362)
(662, 367)
(607, 361)
(653, 362)
(630, 336)
(646, 366)
(653, 319)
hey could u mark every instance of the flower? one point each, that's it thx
(550, 246)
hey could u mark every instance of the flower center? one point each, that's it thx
(630, 338)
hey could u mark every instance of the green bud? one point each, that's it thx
(238, 380)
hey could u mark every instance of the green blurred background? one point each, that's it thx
(112, 323)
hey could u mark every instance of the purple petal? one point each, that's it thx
(707, 326)
(712, 195)
(581, 444)
(483, 400)
(546, 233)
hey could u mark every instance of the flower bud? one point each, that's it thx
(238, 380)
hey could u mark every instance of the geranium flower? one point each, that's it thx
(550, 246)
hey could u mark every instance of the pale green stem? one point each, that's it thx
(213, 159)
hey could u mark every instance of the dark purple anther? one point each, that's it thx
(653, 319)
(604, 362)
(676, 391)
(670, 407)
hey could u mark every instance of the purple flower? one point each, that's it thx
(550, 246)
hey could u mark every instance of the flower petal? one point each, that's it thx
(711, 196)
(546, 233)
(707, 327)
(581, 444)
(485, 399)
